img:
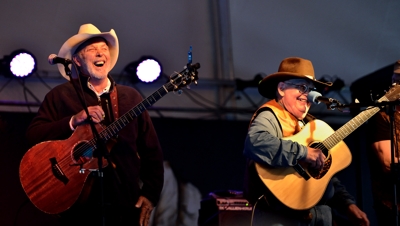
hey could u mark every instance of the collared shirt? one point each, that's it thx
(105, 90)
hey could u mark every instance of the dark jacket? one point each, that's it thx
(137, 154)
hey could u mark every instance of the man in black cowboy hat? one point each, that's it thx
(131, 183)
(277, 182)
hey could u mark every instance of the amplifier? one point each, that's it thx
(226, 208)
(233, 204)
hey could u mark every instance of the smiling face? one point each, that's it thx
(294, 98)
(93, 58)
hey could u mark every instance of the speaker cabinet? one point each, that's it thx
(225, 211)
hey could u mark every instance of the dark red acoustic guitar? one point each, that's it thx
(53, 173)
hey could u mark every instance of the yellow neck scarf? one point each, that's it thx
(290, 124)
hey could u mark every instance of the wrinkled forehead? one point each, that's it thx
(89, 42)
(299, 81)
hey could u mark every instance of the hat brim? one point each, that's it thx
(267, 87)
(69, 47)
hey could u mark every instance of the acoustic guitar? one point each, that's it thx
(53, 173)
(301, 188)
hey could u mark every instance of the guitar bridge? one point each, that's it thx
(57, 171)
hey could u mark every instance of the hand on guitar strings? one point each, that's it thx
(315, 158)
(95, 112)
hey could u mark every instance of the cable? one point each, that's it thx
(19, 209)
(253, 210)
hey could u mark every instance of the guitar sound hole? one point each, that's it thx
(82, 153)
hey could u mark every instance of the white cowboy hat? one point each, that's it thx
(87, 31)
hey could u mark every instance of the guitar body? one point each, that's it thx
(50, 172)
(289, 186)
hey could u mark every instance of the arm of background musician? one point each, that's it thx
(379, 139)
(382, 150)
(357, 216)
(345, 203)
(263, 143)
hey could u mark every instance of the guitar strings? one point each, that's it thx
(90, 145)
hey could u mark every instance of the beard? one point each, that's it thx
(102, 74)
(98, 76)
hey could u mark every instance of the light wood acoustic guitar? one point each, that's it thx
(301, 188)
(53, 173)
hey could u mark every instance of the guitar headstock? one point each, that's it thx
(184, 78)
(393, 94)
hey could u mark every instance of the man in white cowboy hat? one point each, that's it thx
(380, 159)
(133, 179)
(284, 115)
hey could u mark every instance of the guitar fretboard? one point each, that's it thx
(350, 126)
(126, 118)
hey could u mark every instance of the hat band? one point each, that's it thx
(310, 77)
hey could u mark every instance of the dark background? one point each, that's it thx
(207, 153)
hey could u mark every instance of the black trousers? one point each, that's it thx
(94, 216)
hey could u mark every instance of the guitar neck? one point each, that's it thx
(126, 118)
(350, 126)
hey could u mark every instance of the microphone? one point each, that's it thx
(316, 98)
(54, 59)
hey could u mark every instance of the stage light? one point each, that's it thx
(19, 64)
(147, 70)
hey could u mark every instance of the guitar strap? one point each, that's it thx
(114, 101)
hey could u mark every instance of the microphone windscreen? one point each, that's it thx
(51, 57)
(312, 97)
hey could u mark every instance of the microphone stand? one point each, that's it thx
(394, 167)
(100, 145)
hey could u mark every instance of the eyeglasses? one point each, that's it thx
(302, 88)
